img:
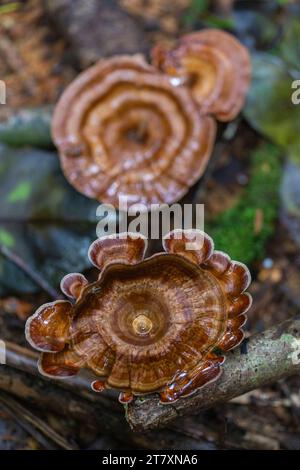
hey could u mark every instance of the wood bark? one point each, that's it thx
(260, 360)
(73, 399)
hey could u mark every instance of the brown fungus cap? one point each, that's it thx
(146, 325)
(214, 65)
(122, 129)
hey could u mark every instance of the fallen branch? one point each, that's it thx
(46, 395)
(74, 398)
(25, 360)
(35, 426)
(34, 276)
(261, 360)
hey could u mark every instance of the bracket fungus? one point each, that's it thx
(160, 324)
(214, 65)
(122, 129)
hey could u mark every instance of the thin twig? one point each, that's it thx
(34, 276)
(55, 399)
(25, 360)
(35, 426)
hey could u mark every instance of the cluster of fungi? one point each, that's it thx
(160, 324)
(127, 128)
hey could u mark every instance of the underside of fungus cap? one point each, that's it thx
(122, 129)
(214, 65)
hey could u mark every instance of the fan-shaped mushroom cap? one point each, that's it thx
(126, 248)
(214, 65)
(148, 325)
(123, 130)
(142, 316)
(47, 329)
(73, 284)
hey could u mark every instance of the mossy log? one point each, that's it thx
(262, 359)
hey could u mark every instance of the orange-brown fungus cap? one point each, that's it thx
(214, 65)
(146, 325)
(122, 129)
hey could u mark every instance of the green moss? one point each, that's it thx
(234, 230)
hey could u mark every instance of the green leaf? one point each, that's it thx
(20, 193)
(42, 219)
(6, 239)
(289, 49)
(269, 107)
(10, 7)
(197, 8)
(214, 21)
